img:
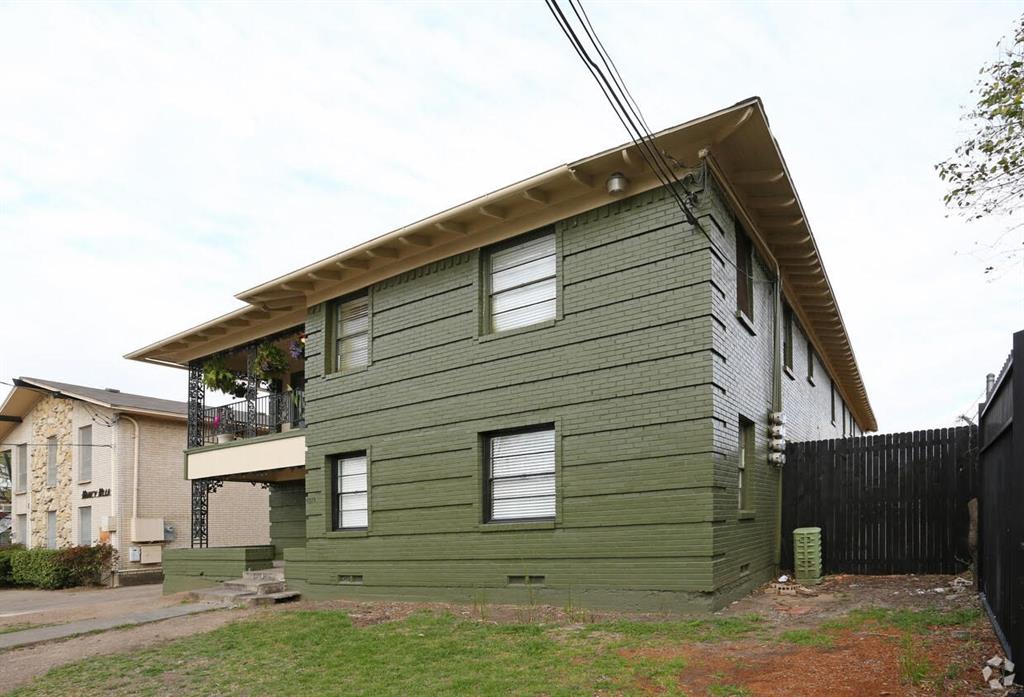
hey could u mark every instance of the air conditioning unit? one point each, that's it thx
(147, 529)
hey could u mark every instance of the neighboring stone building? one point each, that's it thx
(98, 465)
(567, 390)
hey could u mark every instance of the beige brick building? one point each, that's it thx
(98, 465)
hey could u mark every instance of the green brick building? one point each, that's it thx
(549, 394)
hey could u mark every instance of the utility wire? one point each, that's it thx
(641, 139)
(628, 111)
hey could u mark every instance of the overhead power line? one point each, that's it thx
(628, 111)
(618, 97)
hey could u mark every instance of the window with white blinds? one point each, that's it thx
(85, 453)
(85, 526)
(352, 334)
(350, 486)
(51, 529)
(51, 461)
(521, 474)
(21, 483)
(523, 283)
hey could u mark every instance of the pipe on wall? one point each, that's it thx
(135, 466)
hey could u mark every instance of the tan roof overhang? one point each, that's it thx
(743, 155)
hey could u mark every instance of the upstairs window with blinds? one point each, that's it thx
(51, 461)
(523, 283)
(21, 481)
(352, 334)
(85, 453)
(521, 474)
(350, 489)
(744, 273)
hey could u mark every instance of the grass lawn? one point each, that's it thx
(431, 652)
(323, 653)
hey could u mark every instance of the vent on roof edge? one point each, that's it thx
(111, 389)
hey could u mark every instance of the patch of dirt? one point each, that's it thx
(860, 663)
(838, 595)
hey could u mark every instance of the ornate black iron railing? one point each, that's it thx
(251, 417)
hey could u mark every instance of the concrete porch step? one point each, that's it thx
(270, 598)
(220, 595)
(255, 586)
(274, 574)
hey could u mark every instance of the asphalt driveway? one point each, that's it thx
(19, 607)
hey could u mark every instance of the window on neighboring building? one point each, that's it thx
(7, 464)
(351, 492)
(51, 461)
(21, 481)
(810, 361)
(85, 453)
(744, 461)
(832, 393)
(844, 418)
(51, 529)
(21, 529)
(522, 283)
(744, 273)
(520, 471)
(352, 333)
(787, 336)
(85, 525)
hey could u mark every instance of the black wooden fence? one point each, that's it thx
(1001, 516)
(886, 504)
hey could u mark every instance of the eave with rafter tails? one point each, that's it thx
(736, 143)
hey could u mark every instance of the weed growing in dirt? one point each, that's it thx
(914, 667)
(914, 621)
(717, 629)
(807, 637)
(727, 691)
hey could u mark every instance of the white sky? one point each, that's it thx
(156, 158)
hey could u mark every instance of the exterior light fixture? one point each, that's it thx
(617, 184)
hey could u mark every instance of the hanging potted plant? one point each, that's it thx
(269, 362)
(217, 376)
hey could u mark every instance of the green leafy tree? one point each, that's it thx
(986, 172)
(986, 175)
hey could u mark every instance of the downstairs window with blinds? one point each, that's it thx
(521, 474)
(350, 492)
(352, 334)
(523, 283)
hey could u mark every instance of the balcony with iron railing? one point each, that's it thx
(271, 413)
(258, 436)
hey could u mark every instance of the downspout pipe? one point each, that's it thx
(135, 466)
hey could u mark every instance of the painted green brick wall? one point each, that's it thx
(625, 373)
(188, 569)
(745, 540)
(287, 516)
(644, 373)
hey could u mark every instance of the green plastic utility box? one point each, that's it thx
(807, 555)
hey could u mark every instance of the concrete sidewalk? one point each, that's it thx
(26, 637)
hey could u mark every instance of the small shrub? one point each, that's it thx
(51, 569)
(6, 551)
(40, 568)
(88, 565)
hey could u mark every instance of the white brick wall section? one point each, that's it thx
(239, 512)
